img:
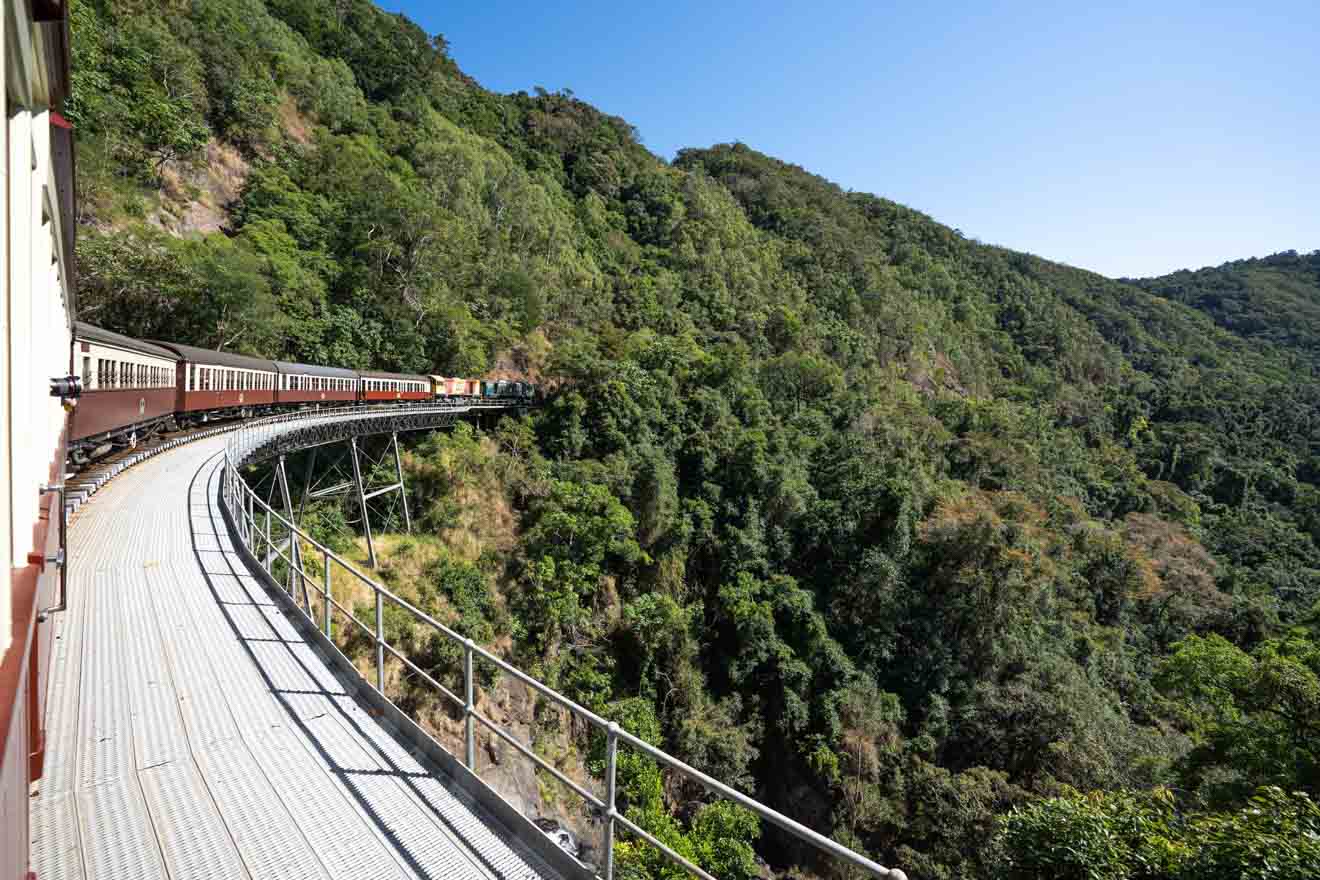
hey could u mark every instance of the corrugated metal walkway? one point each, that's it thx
(193, 733)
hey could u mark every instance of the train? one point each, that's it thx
(133, 388)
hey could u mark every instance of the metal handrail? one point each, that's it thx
(244, 505)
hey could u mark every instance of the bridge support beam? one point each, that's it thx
(364, 494)
(362, 500)
(403, 491)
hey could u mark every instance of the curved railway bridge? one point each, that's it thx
(203, 725)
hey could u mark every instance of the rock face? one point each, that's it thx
(195, 199)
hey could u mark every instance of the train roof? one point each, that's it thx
(219, 358)
(409, 377)
(83, 330)
(315, 370)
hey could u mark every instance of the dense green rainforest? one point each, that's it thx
(987, 566)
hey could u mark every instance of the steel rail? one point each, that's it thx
(247, 444)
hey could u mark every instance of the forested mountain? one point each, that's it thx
(985, 565)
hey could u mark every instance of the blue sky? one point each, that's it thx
(1132, 139)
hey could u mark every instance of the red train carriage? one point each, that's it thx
(394, 386)
(217, 384)
(309, 383)
(128, 389)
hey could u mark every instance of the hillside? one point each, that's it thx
(1274, 299)
(912, 537)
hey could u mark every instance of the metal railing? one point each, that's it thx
(254, 520)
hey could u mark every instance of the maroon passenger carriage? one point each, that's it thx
(220, 385)
(311, 383)
(128, 390)
(378, 387)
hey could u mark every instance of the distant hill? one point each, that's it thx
(1270, 299)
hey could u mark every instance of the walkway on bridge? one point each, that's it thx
(196, 734)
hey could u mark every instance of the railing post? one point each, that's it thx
(469, 733)
(611, 753)
(326, 582)
(380, 642)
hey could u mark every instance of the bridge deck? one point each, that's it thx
(193, 732)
